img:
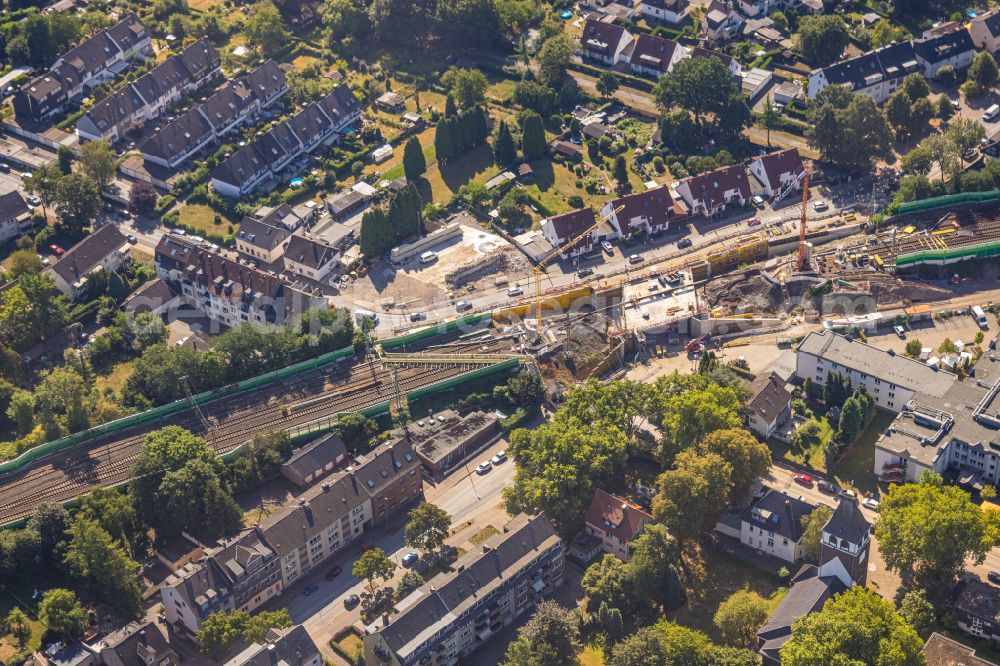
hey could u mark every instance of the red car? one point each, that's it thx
(56, 250)
(804, 479)
(753, 223)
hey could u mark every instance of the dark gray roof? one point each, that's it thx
(847, 522)
(779, 513)
(309, 123)
(150, 295)
(128, 32)
(601, 37)
(978, 599)
(261, 235)
(224, 106)
(134, 641)
(243, 165)
(768, 396)
(339, 104)
(310, 252)
(943, 47)
(385, 464)
(12, 205)
(804, 597)
(889, 62)
(178, 136)
(266, 80)
(278, 144)
(88, 253)
(285, 647)
(316, 454)
(653, 52)
(943, 651)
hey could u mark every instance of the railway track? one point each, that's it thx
(233, 420)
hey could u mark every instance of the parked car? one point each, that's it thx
(4, 167)
(754, 222)
(584, 272)
(56, 250)
(900, 331)
(418, 316)
(351, 600)
(462, 306)
(635, 258)
(333, 573)
(484, 467)
(45, 260)
(607, 247)
(499, 457)
(310, 588)
(804, 480)
(993, 577)
(34, 200)
(757, 201)
(515, 291)
(847, 492)
(683, 243)
(827, 487)
(410, 559)
(820, 205)
(131, 239)
(179, 232)
(870, 503)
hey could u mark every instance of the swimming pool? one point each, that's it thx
(565, 14)
(295, 182)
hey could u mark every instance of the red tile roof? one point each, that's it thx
(616, 516)
(775, 164)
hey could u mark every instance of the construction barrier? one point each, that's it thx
(558, 303)
(949, 256)
(947, 200)
(32, 455)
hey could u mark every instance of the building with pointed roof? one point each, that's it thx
(615, 521)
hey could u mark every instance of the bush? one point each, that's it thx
(165, 203)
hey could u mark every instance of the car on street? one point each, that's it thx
(310, 588)
(418, 316)
(179, 232)
(803, 480)
(820, 205)
(870, 503)
(462, 306)
(333, 573)
(584, 272)
(131, 239)
(45, 260)
(351, 600)
(847, 492)
(56, 250)
(410, 559)
(993, 577)
(607, 247)
(635, 258)
(827, 487)
(25, 175)
(683, 243)
(484, 467)
(515, 291)
(499, 457)
(754, 222)
(4, 167)
(34, 200)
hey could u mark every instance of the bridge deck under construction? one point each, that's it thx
(231, 421)
(951, 232)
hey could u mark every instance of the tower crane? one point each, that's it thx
(540, 266)
(800, 264)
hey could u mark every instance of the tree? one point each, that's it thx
(652, 565)
(143, 197)
(30, 311)
(740, 616)
(375, 237)
(103, 567)
(23, 262)
(533, 144)
(770, 118)
(414, 164)
(77, 202)
(848, 128)
(50, 522)
(917, 611)
(621, 174)
(821, 39)
(194, 496)
(884, 33)
(686, 416)
(411, 581)
(18, 624)
(21, 410)
(466, 86)
(220, 631)
(262, 622)
(60, 611)
(692, 494)
(855, 627)
(98, 162)
(373, 564)
(914, 348)
(609, 582)
(643, 648)
(550, 637)
(748, 457)
(947, 347)
(264, 28)
(929, 530)
(982, 74)
(607, 84)
(427, 528)
(504, 150)
(812, 531)
(965, 135)
(702, 86)
(114, 512)
(553, 58)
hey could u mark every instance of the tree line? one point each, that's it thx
(384, 228)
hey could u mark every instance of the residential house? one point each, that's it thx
(105, 249)
(562, 229)
(844, 545)
(261, 241)
(709, 193)
(650, 212)
(976, 606)
(566, 149)
(310, 257)
(315, 460)
(954, 49)
(227, 291)
(94, 61)
(876, 74)
(985, 31)
(769, 407)
(890, 378)
(148, 96)
(487, 589)
(654, 56)
(779, 172)
(604, 41)
(670, 11)
(939, 650)
(773, 525)
(74, 653)
(721, 23)
(179, 139)
(268, 84)
(154, 296)
(281, 647)
(281, 215)
(731, 63)
(15, 216)
(139, 643)
(241, 173)
(615, 521)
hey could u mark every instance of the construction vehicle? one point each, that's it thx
(540, 266)
(695, 346)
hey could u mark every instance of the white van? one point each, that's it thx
(428, 257)
(991, 113)
(360, 314)
(980, 316)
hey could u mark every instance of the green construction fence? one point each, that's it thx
(157, 413)
(947, 200)
(981, 251)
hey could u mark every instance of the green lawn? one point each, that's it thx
(811, 457)
(442, 182)
(202, 218)
(8, 644)
(856, 467)
(114, 378)
(724, 574)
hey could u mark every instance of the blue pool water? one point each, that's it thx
(566, 14)
(295, 182)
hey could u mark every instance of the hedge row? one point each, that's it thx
(631, 81)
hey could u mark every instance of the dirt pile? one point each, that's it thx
(749, 292)
(584, 343)
(483, 270)
(891, 291)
